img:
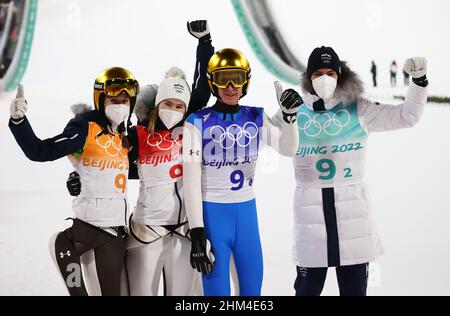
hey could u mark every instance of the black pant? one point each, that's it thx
(352, 280)
(109, 253)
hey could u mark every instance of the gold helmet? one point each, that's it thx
(228, 66)
(112, 82)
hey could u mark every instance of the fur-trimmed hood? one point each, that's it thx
(87, 113)
(349, 87)
(145, 102)
(81, 108)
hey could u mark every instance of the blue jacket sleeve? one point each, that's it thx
(200, 88)
(70, 141)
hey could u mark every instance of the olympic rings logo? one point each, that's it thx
(234, 134)
(165, 143)
(111, 147)
(330, 124)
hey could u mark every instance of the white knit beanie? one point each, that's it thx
(174, 87)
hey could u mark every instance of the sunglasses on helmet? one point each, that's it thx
(115, 87)
(222, 78)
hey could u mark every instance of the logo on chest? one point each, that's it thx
(324, 124)
(159, 142)
(233, 136)
(160, 149)
(112, 146)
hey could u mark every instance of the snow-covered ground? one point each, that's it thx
(408, 170)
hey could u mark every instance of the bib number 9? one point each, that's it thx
(237, 178)
(328, 169)
(121, 182)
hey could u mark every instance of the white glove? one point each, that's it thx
(19, 105)
(289, 101)
(416, 67)
(198, 29)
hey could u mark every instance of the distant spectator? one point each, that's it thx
(394, 70)
(405, 77)
(373, 70)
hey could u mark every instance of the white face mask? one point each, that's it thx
(117, 113)
(170, 118)
(325, 86)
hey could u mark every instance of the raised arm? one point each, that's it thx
(281, 132)
(200, 88)
(281, 136)
(377, 117)
(70, 141)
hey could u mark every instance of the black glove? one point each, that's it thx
(416, 67)
(74, 184)
(200, 30)
(289, 101)
(201, 257)
(421, 82)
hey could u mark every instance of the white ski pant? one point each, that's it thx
(168, 257)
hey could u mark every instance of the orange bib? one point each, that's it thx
(103, 165)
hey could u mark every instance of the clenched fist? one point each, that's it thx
(416, 67)
(199, 29)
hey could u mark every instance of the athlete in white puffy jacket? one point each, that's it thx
(333, 220)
